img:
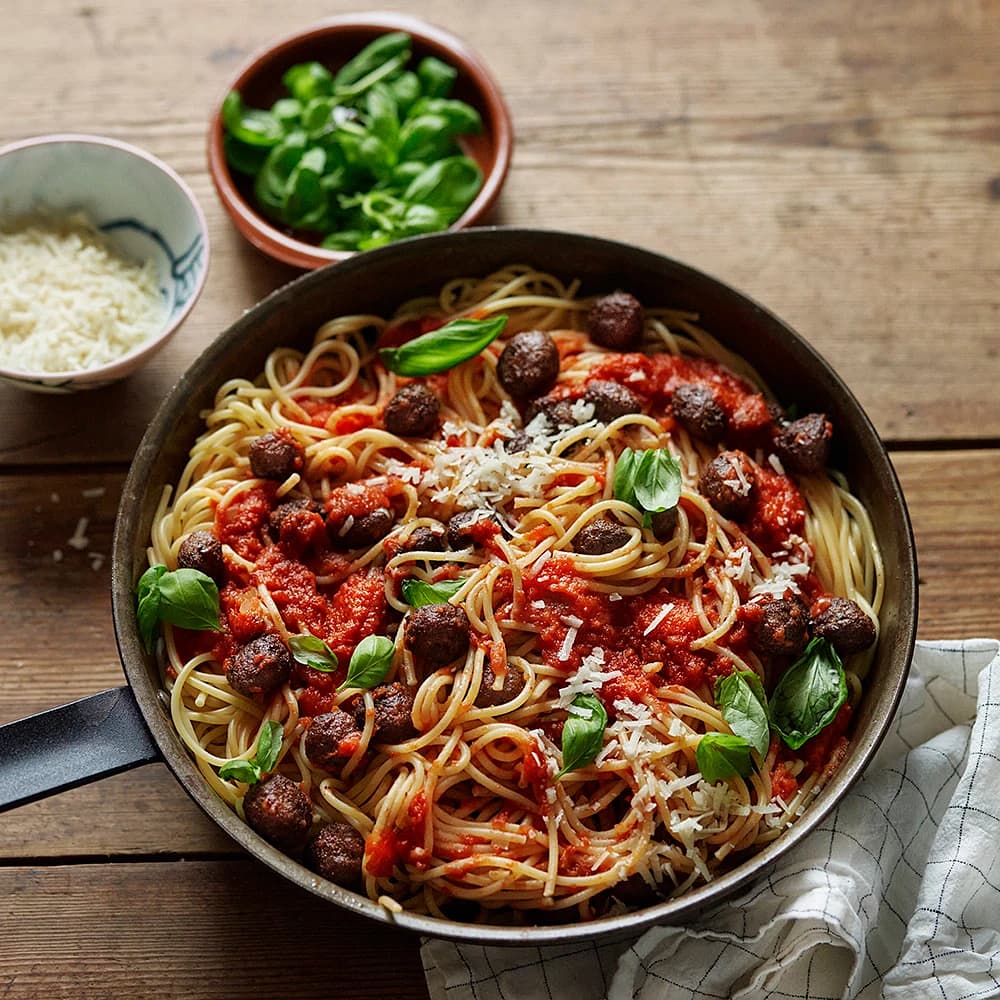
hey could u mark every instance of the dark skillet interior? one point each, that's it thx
(378, 282)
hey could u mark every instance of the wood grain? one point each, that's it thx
(198, 930)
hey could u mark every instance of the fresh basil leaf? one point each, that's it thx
(417, 593)
(243, 158)
(443, 348)
(373, 56)
(147, 611)
(422, 219)
(720, 755)
(743, 710)
(657, 481)
(406, 90)
(247, 771)
(308, 80)
(809, 694)
(370, 662)
(383, 116)
(250, 125)
(189, 599)
(312, 652)
(449, 185)
(583, 735)
(305, 203)
(436, 77)
(460, 118)
(623, 483)
(288, 111)
(425, 137)
(269, 745)
(345, 239)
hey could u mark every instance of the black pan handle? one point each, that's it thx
(71, 745)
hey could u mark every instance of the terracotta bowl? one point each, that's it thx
(332, 42)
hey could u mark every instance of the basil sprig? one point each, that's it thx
(443, 348)
(809, 694)
(185, 597)
(741, 699)
(268, 748)
(370, 663)
(583, 735)
(418, 593)
(720, 755)
(648, 480)
(313, 652)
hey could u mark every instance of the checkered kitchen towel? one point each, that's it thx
(896, 895)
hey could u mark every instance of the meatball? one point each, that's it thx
(393, 713)
(729, 482)
(283, 510)
(362, 531)
(558, 412)
(529, 364)
(781, 628)
(804, 445)
(276, 455)
(202, 551)
(412, 412)
(437, 634)
(600, 537)
(615, 321)
(697, 410)
(517, 442)
(337, 853)
(279, 811)
(424, 539)
(331, 739)
(611, 400)
(664, 524)
(259, 667)
(461, 527)
(510, 688)
(841, 621)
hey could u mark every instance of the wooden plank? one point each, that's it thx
(190, 930)
(772, 144)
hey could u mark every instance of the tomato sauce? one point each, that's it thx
(783, 783)
(292, 586)
(240, 524)
(826, 749)
(778, 512)
(358, 609)
(385, 850)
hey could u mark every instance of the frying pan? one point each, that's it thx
(128, 726)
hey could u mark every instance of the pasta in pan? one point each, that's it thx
(527, 602)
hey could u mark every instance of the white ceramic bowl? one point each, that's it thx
(143, 207)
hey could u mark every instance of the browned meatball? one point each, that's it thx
(558, 412)
(279, 811)
(362, 531)
(393, 713)
(600, 537)
(331, 739)
(259, 667)
(511, 686)
(781, 628)
(697, 410)
(276, 455)
(424, 539)
(664, 524)
(461, 533)
(202, 551)
(283, 510)
(412, 412)
(517, 442)
(337, 853)
(804, 445)
(437, 634)
(615, 321)
(611, 400)
(729, 482)
(841, 621)
(529, 364)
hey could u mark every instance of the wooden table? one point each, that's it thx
(838, 161)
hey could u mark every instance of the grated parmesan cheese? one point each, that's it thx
(68, 300)
(661, 614)
(588, 678)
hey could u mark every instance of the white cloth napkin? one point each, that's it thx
(896, 895)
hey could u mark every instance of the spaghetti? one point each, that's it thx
(551, 587)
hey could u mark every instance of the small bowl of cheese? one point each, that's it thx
(103, 253)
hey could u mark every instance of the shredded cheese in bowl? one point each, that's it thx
(68, 300)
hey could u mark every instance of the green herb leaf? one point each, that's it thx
(449, 185)
(247, 771)
(147, 612)
(418, 593)
(370, 663)
(444, 348)
(809, 694)
(190, 599)
(372, 57)
(743, 709)
(308, 80)
(648, 480)
(269, 745)
(583, 735)
(243, 158)
(720, 755)
(436, 77)
(312, 652)
(250, 125)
